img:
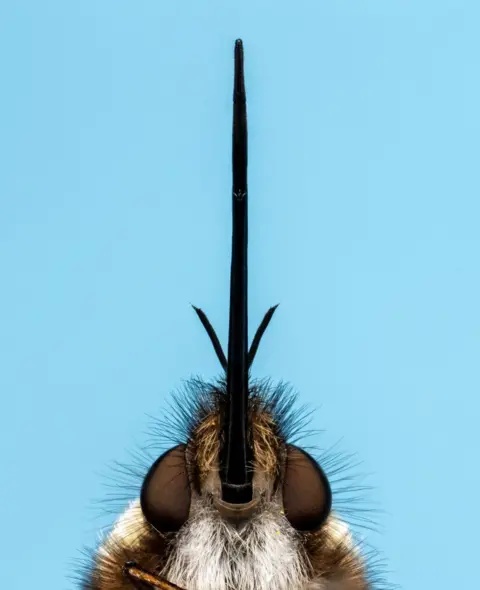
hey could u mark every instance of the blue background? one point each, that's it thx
(115, 214)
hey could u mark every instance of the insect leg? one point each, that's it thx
(144, 580)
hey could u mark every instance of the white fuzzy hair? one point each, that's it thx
(209, 554)
(212, 555)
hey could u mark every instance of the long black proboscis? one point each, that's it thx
(236, 452)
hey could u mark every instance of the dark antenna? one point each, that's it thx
(236, 453)
(259, 333)
(213, 336)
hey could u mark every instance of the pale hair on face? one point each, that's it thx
(210, 554)
(266, 554)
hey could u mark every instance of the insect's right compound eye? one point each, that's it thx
(165, 495)
(307, 497)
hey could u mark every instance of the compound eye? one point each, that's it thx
(307, 497)
(165, 495)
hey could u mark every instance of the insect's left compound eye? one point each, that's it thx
(165, 495)
(307, 497)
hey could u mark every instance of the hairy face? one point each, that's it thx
(211, 553)
(271, 549)
(266, 554)
(208, 553)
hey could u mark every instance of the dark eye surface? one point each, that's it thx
(307, 497)
(165, 495)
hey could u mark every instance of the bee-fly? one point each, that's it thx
(235, 505)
